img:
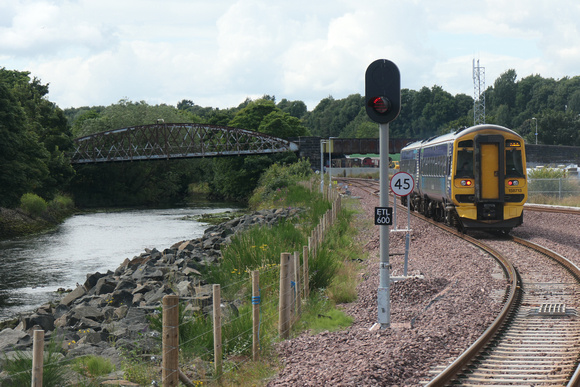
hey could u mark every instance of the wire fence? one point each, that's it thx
(556, 188)
(231, 330)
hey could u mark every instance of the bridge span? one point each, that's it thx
(174, 141)
(163, 141)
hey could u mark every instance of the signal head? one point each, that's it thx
(382, 91)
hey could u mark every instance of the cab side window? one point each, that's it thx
(464, 163)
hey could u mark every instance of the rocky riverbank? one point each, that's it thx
(113, 307)
(15, 222)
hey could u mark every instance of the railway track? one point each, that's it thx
(536, 338)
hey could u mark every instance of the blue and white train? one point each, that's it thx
(473, 178)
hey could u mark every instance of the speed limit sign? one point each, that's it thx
(402, 184)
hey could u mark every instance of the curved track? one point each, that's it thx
(536, 338)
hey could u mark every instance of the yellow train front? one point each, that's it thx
(474, 178)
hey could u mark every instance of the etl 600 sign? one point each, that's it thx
(384, 216)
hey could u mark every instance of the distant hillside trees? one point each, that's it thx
(555, 105)
(36, 135)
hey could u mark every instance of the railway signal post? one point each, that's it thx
(383, 104)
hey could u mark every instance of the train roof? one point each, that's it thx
(456, 134)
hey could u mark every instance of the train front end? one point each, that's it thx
(489, 186)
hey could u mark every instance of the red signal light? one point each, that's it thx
(380, 104)
(466, 183)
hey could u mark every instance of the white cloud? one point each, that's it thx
(218, 53)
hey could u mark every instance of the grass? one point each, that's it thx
(321, 315)
(552, 186)
(570, 201)
(342, 289)
(333, 280)
(91, 368)
(18, 368)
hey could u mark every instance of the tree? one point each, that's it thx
(504, 89)
(44, 124)
(251, 116)
(294, 108)
(283, 125)
(265, 117)
(126, 113)
(22, 156)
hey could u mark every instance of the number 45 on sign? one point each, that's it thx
(402, 184)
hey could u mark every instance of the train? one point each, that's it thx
(472, 178)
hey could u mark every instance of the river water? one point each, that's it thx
(33, 268)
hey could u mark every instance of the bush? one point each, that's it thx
(276, 178)
(547, 173)
(33, 204)
(61, 203)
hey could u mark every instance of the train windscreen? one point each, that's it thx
(513, 163)
(464, 163)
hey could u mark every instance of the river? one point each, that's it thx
(34, 268)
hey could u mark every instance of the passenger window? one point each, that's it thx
(464, 163)
(513, 163)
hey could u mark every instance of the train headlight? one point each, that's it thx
(466, 183)
(513, 182)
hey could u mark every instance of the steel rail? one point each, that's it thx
(513, 297)
(572, 268)
(513, 293)
(511, 304)
(548, 208)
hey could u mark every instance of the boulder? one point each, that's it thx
(77, 293)
(105, 285)
(11, 337)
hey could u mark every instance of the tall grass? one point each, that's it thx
(18, 368)
(333, 277)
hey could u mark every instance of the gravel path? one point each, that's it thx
(434, 318)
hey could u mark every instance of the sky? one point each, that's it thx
(219, 52)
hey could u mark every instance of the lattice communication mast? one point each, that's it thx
(478, 94)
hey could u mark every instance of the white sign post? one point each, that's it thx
(402, 184)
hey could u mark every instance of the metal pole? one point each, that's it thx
(394, 211)
(329, 165)
(384, 292)
(321, 166)
(407, 236)
(535, 119)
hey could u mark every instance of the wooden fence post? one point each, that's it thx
(284, 304)
(37, 358)
(217, 330)
(170, 361)
(292, 288)
(256, 314)
(306, 278)
(297, 287)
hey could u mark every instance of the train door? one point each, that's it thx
(489, 176)
(489, 171)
